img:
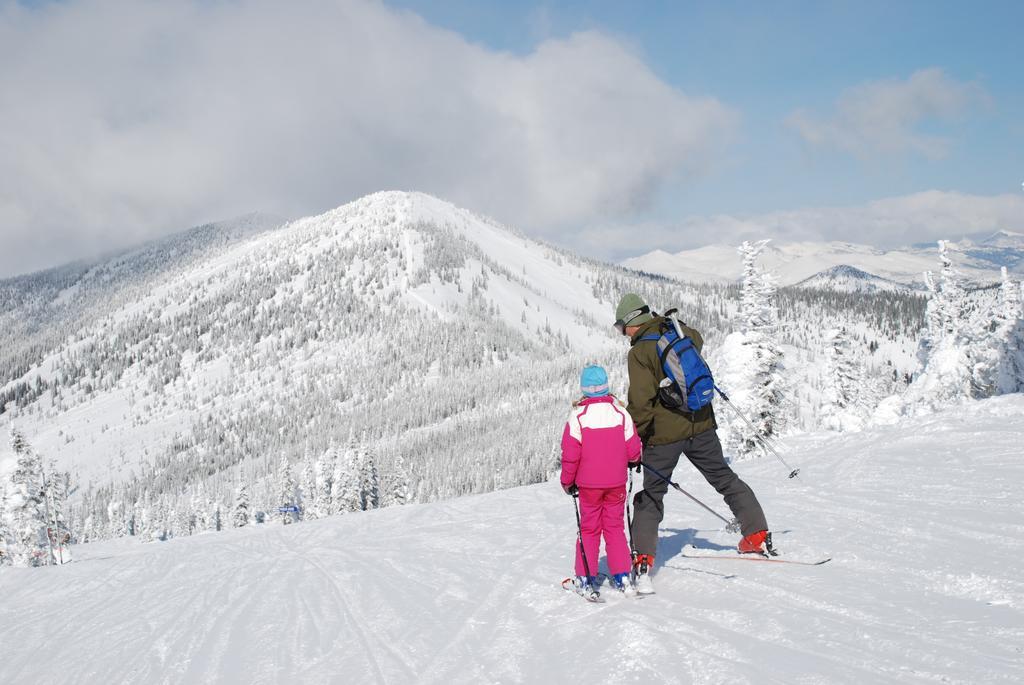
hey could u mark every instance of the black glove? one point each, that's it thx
(636, 465)
(572, 490)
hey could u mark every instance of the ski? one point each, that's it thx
(691, 552)
(594, 597)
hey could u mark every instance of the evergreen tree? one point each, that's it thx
(26, 506)
(240, 516)
(135, 519)
(369, 482)
(57, 486)
(144, 522)
(347, 483)
(286, 490)
(5, 529)
(307, 487)
(844, 385)
(182, 519)
(159, 522)
(216, 521)
(325, 482)
(996, 350)
(951, 348)
(753, 359)
(399, 490)
(201, 511)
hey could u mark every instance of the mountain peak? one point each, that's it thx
(846, 278)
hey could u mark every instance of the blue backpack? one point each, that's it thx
(688, 385)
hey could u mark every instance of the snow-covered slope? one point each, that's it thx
(979, 259)
(443, 345)
(418, 328)
(922, 520)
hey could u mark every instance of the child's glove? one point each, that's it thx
(635, 465)
(571, 490)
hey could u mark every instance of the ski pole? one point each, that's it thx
(629, 514)
(729, 525)
(579, 534)
(765, 445)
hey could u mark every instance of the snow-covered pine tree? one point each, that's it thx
(26, 506)
(325, 482)
(285, 490)
(369, 480)
(183, 519)
(135, 519)
(202, 513)
(347, 496)
(211, 509)
(144, 521)
(845, 388)
(399, 491)
(117, 519)
(216, 519)
(995, 348)
(307, 488)
(5, 528)
(159, 522)
(57, 486)
(752, 359)
(945, 374)
(240, 513)
(1010, 334)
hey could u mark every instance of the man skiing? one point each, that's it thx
(667, 434)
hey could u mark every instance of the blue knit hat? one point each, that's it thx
(594, 382)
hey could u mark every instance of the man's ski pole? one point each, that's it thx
(765, 445)
(729, 525)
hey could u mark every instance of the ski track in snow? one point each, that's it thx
(921, 521)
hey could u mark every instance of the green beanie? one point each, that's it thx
(628, 305)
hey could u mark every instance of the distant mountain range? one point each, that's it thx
(843, 266)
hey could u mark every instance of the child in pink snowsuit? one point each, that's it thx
(599, 443)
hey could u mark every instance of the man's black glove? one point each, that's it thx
(636, 465)
(572, 490)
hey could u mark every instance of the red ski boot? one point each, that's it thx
(641, 574)
(753, 543)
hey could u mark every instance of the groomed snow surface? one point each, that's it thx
(924, 522)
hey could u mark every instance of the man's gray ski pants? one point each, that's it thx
(705, 452)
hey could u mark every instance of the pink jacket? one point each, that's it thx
(598, 442)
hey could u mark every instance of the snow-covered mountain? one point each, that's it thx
(446, 346)
(922, 521)
(979, 259)
(399, 321)
(845, 278)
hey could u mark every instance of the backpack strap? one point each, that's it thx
(650, 336)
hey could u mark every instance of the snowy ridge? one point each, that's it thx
(980, 258)
(922, 520)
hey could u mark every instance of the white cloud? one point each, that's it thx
(123, 120)
(888, 223)
(885, 116)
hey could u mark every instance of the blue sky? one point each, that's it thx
(606, 128)
(768, 59)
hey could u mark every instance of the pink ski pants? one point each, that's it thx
(601, 513)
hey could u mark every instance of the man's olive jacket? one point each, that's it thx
(656, 424)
